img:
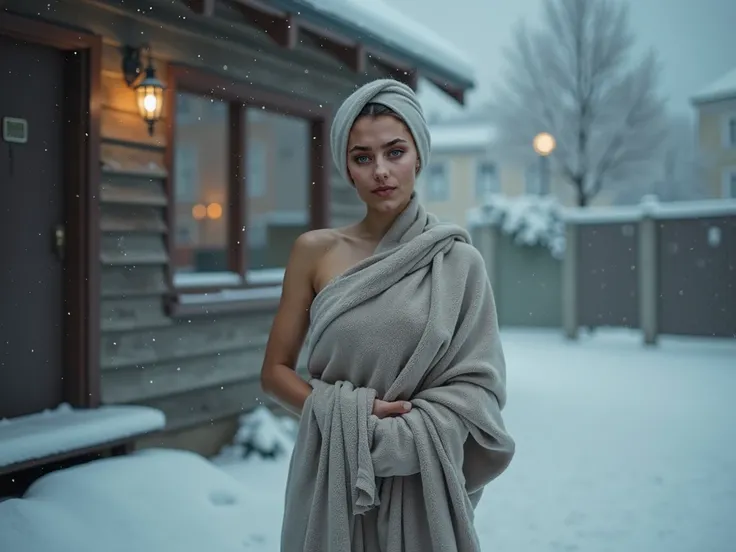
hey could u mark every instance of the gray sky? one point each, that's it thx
(696, 39)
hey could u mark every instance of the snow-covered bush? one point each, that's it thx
(529, 220)
(263, 433)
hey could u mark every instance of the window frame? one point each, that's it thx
(729, 174)
(480, 193)
(239, 97)
(726, 137)
(444, 165)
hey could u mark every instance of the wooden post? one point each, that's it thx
(648, 277)
(570, 282)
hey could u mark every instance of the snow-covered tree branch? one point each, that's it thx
(574, 77)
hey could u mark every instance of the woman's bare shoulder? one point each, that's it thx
(316, 243)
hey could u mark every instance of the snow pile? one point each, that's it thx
(150, 501)
(65, 429)
(263, 433)
(530, 220)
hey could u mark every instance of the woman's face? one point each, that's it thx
(382, 162)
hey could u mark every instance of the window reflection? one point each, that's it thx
(201, 168)
(277, 182)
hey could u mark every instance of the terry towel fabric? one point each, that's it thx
(416, 321)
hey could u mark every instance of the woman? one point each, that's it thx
(401, 424)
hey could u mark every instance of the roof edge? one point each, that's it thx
(316, 17)
(702, 99)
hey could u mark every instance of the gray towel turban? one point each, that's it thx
(393, 94)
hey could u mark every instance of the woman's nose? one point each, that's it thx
(381, 171)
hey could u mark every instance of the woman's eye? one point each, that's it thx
(360, 159)
(396, 153)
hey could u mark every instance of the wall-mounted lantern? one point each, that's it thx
(149, 91)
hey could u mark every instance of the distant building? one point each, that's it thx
(467, 167)
(716, 136)
(463, 170)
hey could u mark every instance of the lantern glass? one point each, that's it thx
(150, 100)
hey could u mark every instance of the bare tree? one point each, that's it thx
(575, 79)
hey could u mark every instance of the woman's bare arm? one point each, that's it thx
(278, 376)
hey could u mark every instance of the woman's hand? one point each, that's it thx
(383, 409)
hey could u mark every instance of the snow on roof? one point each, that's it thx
(721, 89)
(401, 32)
(461, 137)
(66, 429)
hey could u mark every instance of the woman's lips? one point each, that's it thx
(384, 191)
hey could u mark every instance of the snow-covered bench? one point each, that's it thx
(31, 445)
(152, 500)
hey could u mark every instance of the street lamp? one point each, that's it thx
(544, 144)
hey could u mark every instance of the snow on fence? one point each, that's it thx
(662, 267)
(650, 207)
(527, 220)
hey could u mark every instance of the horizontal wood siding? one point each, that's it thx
(207, 405)
(195, 370)
(133, 281)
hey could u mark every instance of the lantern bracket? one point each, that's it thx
(132, 65)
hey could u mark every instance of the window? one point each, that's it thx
(184, 110)
(248, 176)
(201, 185)
(486, 180)
(729, 131)
(729, 183)
(277, 182)
(186, 168)
(437, 185)
(257, 167)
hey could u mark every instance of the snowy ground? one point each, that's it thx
(620, 448)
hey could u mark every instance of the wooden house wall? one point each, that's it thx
(195, 370)
(203, 369)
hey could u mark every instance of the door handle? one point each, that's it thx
(60, 241)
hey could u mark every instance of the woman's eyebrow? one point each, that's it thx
(393, 142)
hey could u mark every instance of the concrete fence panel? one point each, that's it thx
(607, 275)
(665, 268)
(697, 276)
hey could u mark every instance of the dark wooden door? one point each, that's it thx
(31, 210)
